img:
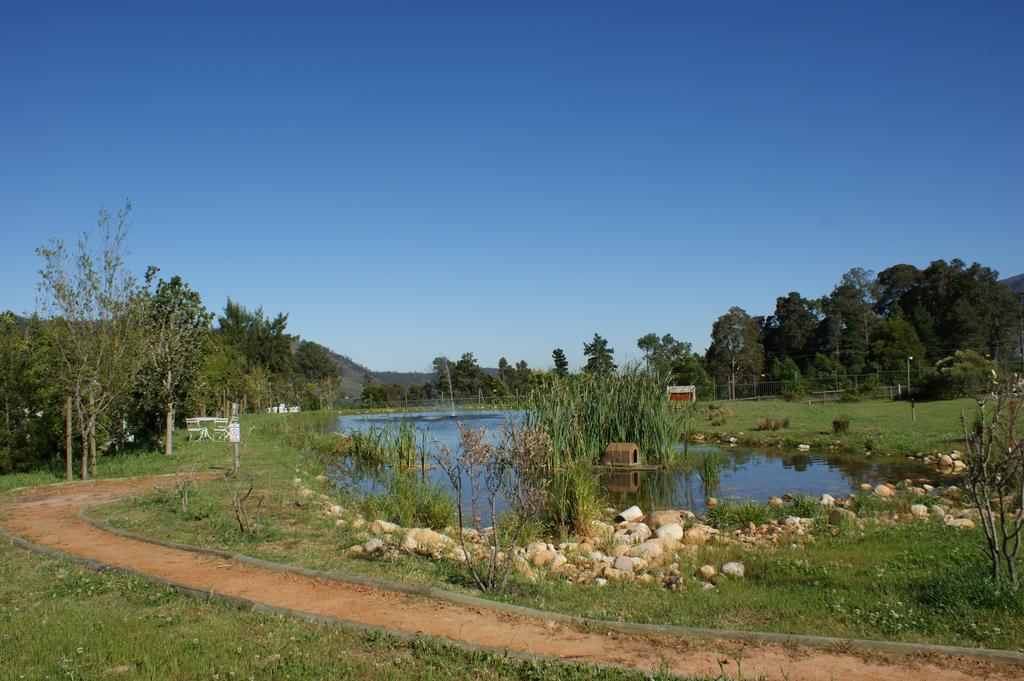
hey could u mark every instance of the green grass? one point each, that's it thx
(916, 581)
(913, 582)
(58, 620)
(880, 426)
(411, 502)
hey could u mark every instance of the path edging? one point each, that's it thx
(267, 609)
(632, 628)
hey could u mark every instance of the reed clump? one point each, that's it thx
(574, 500)
(772, 424)
(584, 412)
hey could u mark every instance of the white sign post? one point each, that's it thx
(235, 436)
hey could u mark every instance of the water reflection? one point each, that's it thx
(741, 473)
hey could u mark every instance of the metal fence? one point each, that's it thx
(881, 384)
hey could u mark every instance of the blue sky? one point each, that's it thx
(414, 179)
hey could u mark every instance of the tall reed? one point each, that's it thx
(583, 413)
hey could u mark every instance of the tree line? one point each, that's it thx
(947, 318)
(110, 362)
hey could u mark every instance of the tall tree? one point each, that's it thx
(892, 342)
(952, 306)
(788, 333)
(561, 363)
(260, 339)
(735, 354)
(599, 356)
(672, 360)
(176, 337)
(95, 312)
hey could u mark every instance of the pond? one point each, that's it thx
(743, 474)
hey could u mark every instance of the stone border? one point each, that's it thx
(631, 628)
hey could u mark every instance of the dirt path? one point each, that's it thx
(47, 516)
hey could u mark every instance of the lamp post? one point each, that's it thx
(909, 360)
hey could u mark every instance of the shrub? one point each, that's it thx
(412, 502)
(804, 506)
(575, 499)
(841, 425)
(729, 514)
(772, 424)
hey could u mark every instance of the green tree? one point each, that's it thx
(374, 396)
(314, 364)
(790, 331)
(735, 354)
(561, 363)
(258, 338)
(952, 306)
(222, 377)
(468, 378)
(671, 360)
(964, 373)
(599, 356)
(176, 337)
(95, 316)
(892, 342)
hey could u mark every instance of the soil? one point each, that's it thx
(47, 516)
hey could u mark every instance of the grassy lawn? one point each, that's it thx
(58, 620)
(916, 581)
(882, 427)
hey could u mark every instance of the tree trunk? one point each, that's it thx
(92, 446)
(169, 421)
(169, 431)
(85, 453)
(69, 473)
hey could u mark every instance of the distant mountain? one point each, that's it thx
(1016, 284)
(407, 379)
(350, 374)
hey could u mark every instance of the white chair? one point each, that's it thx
(196, 430)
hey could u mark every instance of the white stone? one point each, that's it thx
(558, 561)
(803, 448)
(600, 581)
(373, 545)
(733, 568)
(623, 564)
(827, 500)
(659, 518)
(639, 533)
(383, 527)
(697, 535)
(884, 491)
(648, 549)
(963, 523)
(791, 521)
(426, 537)
(919, 510)
(670, 531)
